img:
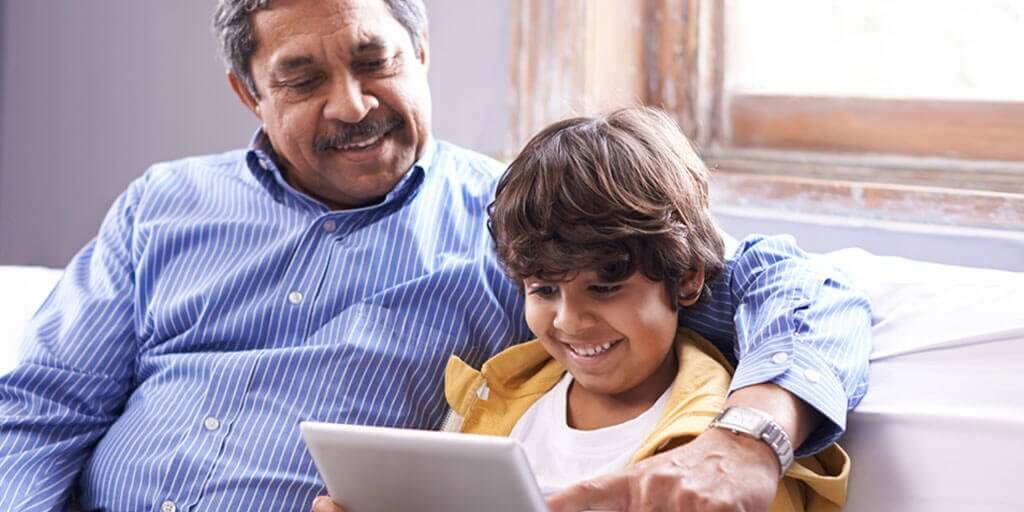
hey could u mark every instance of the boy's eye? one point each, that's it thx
(605, 289)
(543, 290)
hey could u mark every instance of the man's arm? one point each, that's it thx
(75, 373)
(782, 303)
(801, 326)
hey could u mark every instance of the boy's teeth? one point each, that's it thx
(592, 350)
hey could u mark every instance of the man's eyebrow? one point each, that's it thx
(292, 63)
(373, 44)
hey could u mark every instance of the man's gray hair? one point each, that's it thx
(238, 43)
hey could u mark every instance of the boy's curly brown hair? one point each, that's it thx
(614, 194)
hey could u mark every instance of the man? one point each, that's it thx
(326, 273)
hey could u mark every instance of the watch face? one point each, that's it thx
(747, 418)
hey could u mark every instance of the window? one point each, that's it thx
(910, 111)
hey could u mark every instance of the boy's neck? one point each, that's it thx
(586, 410)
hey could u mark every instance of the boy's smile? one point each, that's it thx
(589, 356)
(615, 338)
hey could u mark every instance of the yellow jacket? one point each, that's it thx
(492, 400)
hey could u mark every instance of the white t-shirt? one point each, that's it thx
(561, 456)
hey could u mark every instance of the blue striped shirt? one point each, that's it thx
(218, 307)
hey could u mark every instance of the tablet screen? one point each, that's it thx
(369, 469)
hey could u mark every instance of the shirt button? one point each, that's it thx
(330, 226)
(168, 506)
(295, 297)
(780, 358)
(812, 376)
(211, 423)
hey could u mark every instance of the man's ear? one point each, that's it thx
(690, 288)
(424, 55)
(244, 94)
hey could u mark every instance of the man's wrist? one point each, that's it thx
(760, 427)
(753, 452)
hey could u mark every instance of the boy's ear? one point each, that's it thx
(693, 283)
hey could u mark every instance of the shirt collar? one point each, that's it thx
(260, 158)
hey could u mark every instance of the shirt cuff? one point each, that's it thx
(800, 370)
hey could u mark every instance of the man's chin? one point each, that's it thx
(358, 189)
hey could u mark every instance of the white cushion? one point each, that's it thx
(22, 291)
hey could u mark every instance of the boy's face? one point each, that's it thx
(615, 338)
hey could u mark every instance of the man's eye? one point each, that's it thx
(375, 64)
(303, 85)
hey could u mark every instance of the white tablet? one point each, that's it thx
(369, 469)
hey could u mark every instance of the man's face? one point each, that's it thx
(343, 96)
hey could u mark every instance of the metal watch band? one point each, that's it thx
(759, 425)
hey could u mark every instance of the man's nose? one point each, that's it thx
(348, 101)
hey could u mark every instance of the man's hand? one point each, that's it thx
(717, 471)
(326, 504)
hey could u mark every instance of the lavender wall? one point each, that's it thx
(469, 71)
(94, 92)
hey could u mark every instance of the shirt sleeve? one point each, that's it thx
(801, 325)
(76, 368)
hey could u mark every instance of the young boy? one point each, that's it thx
(606, 224)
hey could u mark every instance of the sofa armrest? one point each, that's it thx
(22, 291)
(939, 427)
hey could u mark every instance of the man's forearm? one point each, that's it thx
(791, 413)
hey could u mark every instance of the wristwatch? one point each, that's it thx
(756, 424)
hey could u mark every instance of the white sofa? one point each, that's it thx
(940, 426)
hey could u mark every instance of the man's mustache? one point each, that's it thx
(345, 133)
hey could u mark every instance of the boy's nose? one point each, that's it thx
(571, 318)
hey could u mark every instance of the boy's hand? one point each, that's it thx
(326, 504)
(717, 471)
